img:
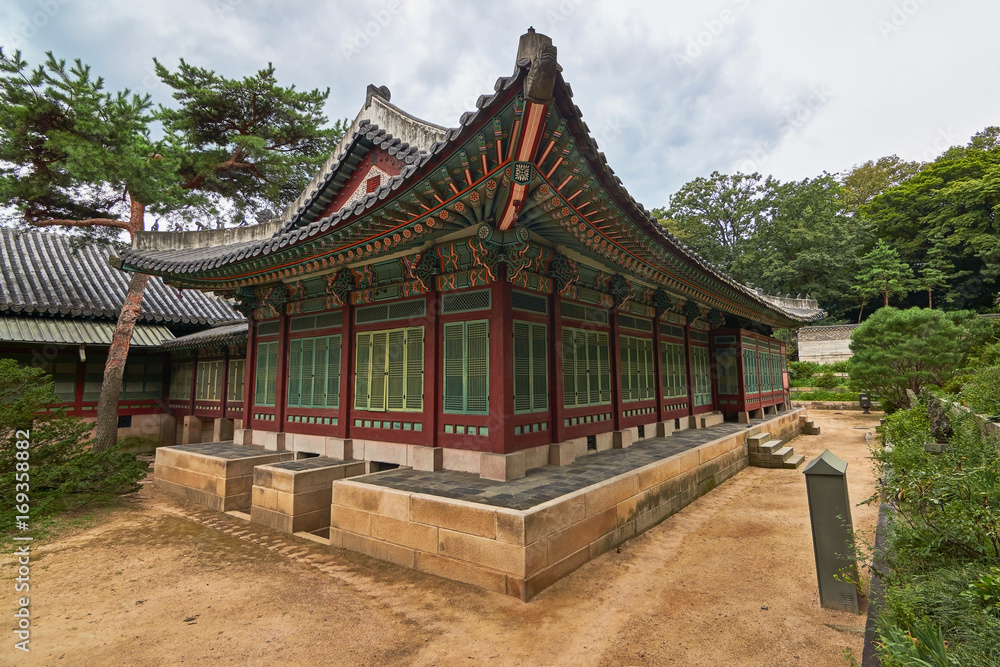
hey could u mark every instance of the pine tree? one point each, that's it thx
(75, 156)
(882, 272)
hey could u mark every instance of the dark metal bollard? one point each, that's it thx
(830, 516)
(865, 401)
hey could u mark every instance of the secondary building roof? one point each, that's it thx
(44, 274)
(64, 331)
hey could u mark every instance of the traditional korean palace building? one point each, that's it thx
(453, 297)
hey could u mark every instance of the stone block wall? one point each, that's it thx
(520, 553)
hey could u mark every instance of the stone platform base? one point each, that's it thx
(520, 552)
(294, 496)
(218, 475)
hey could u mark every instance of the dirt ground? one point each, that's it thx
(730, 580)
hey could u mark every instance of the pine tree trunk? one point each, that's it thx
(887, 298)
(930, 300)
(107, 406)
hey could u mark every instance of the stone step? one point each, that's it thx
(783, 454)
(809, 429)
(769, 447)
(793, 461)
(757, 439)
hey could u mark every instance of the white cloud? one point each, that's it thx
(671, 92)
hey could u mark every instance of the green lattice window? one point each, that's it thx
(586, 367)
(209, 381)
(727, 371)
(638, 374)
(389, 370)
(143, 378)
(766, 381)
(751, 380)
(181, 374)
(267, 373)
(236, 380)
(314, 372)
(674, 370)
(467, 367)
(776, 370)
(701, 376)
(531, 374)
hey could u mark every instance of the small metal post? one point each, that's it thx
(830, 516)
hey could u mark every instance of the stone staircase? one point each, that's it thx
(808, 427)
(767, 453)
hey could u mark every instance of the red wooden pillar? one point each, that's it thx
(501, 425)
(688, 366)
(616, 377)
(658, 369)
(193, 389)
(433, 366)
(556, 369)
(250, 372)
(224, 382)
(347, 350)
(281, 373)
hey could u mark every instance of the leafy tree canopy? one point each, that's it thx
(717, 216)
(952, 203)
(864, 182)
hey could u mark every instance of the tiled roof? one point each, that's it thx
(296, 230)
(227, 334)
(43, 274)
(62, 331)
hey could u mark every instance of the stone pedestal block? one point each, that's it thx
(621, 439)
(223, 430)
(425, 458)
(191, 430)
(502, 467)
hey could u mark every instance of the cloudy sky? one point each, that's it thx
(672, 90)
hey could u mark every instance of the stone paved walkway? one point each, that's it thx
(540, 485)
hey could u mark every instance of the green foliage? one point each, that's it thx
(986, 591)
(73, 152)
(248, 142)
(824, 395)
(63, 474)
(718, 215)
(827, 381)
(863, 183)
(803, 369)
(951, 204)
(806, 245)
(895, 350)
(68, 148)
(882, 273)
(943, 544)
(981, 391)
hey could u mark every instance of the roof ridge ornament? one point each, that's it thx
(541, 79)
(380, 91)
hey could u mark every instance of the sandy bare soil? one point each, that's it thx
(730, 580)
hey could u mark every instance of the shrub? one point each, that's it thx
(63, 473)
(802, 369)
(943, 547)
(896, 350)
(826, 381)
(824, 395)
